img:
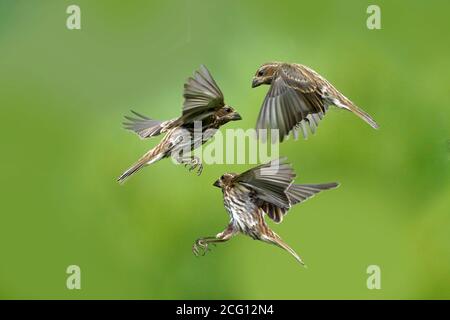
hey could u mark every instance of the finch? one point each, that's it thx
(298, 97)
(203, 107)
(267, 189)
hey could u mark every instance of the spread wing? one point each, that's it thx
(300, 192)
(296, 193)
(144, 126)
(269, 181)
(273, 184)
(202, 96)
(293, 102)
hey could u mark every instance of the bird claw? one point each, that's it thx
(195, 164)
(200, 169)
(200, 247)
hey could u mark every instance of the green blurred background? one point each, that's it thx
(63, 94)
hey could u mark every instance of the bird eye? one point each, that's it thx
(260, 73)
(222, 177)
(228, 109)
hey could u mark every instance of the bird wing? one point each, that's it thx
(146, 127)
(300, 192)
(274, 212)
(269, 181)
(202, 96)
(296, 193)
(293, 100)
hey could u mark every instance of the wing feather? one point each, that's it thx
(144, 126)
(273, 186)
(293, 95)
(201, 95)
(269, 181)
(296, 193)
(300, 192)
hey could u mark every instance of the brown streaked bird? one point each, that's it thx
(298, 97)
(203, 108)
(267, 189)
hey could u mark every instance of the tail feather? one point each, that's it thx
(147, 159)
(365, 116)
(348, 105)
(136, 167)
(276, 240)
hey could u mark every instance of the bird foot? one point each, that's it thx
(200, 247)
(195, 163)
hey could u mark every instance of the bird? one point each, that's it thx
(267, 189)
(298, 98)
(204, 112)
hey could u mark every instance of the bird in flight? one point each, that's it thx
(298, 98)
(204, 110)
(267, 189)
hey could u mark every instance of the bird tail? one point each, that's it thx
(276, 240)
(149, 158)
(347, 104)
(365, 116)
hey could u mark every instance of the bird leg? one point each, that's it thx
(192, 162)
(201, 245)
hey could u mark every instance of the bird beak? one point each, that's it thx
(256, 82)
(217, 184)
(235, 116)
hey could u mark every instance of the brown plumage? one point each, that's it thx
(204, 107)
(267, 189)
(298, 97)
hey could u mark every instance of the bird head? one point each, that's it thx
(264, 74)
(226, 114)
(224, 180)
